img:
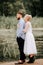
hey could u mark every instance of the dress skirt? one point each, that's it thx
(29, 45)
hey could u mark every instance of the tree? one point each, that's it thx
(11, 7)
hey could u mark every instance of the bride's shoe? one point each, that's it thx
(32, 59)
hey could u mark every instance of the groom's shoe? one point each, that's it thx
(21, 62)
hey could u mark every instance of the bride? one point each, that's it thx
(29, 45)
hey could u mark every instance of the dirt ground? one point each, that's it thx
(37, 62)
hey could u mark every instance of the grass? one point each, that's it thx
(37, 22)
(10, 22)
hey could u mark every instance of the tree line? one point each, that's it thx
(10, 7)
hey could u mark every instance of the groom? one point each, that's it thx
(20, 36)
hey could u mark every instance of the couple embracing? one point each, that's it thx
(25, 38)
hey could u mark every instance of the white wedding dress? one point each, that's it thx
(29, 45)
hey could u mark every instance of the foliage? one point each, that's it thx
(11, 7)
(11, 22)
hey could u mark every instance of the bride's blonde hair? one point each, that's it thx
(29, 17)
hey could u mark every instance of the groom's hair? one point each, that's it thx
(21, 12)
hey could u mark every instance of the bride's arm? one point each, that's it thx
(26, 28)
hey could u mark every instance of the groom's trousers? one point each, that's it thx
(20, 42)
